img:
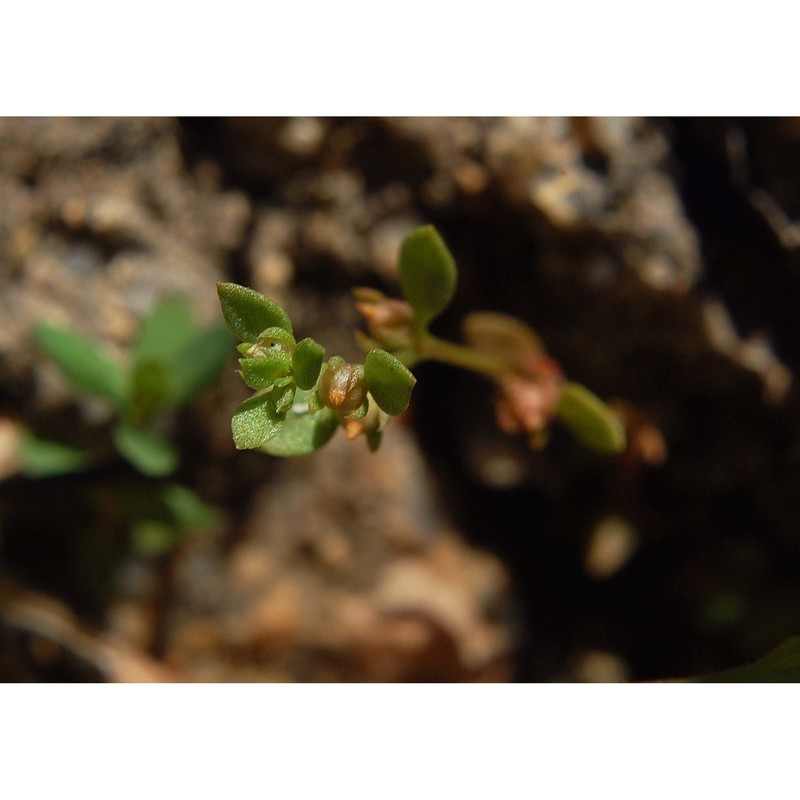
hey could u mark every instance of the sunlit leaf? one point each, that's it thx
(150, 454)
(255, 421)
(248, 312)
(260, 373)
(389, 381)
(591, 421)
(427, 273)
(302, 432)
(85, 363)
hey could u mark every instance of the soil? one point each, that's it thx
(657, 259)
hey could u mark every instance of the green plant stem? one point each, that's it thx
(434, 349)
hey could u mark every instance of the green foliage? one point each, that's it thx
(427, 274)
(150, 454)
(163, 518)
(171, 361)
(198, 364)
(307, 363)
(591, 421)
(388, 381)
(261, 373)
(303, 431)
(256, 420)
(247, 312)
(42, 458)
(165, 332)
(88, 367)
(301, 399)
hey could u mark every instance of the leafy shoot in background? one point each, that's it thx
(170, 362)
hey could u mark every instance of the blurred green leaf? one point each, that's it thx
(150, 454)
(427, 273)
(199, 363)
(256, 420)
(248, 313)
(85, 363)
(591, 421)
(41, 458)
(151, 384)
(259, 373)
(389, 382)
(153, 538)
(303, 432)
(307, 363)
(164, 333)
(782, 665)
(187, 509)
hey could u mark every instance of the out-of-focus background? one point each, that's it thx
(658, 259)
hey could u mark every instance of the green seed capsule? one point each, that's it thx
(343, 387)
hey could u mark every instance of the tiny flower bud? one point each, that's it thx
(343, 387)
(389, 322)
(529, 403)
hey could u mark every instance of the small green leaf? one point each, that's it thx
(591, 421)
(248, 313)
(389, 381)
(41, 458)
(86, 364)
(307, 362)
(302, 432)
(427, 273)
(150, 454)
(199, 363)
(164, 332)
(187, 509)
(255, 421)
(261, 373)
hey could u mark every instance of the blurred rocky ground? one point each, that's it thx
(658, 259)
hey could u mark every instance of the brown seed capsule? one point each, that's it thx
(343, 387)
